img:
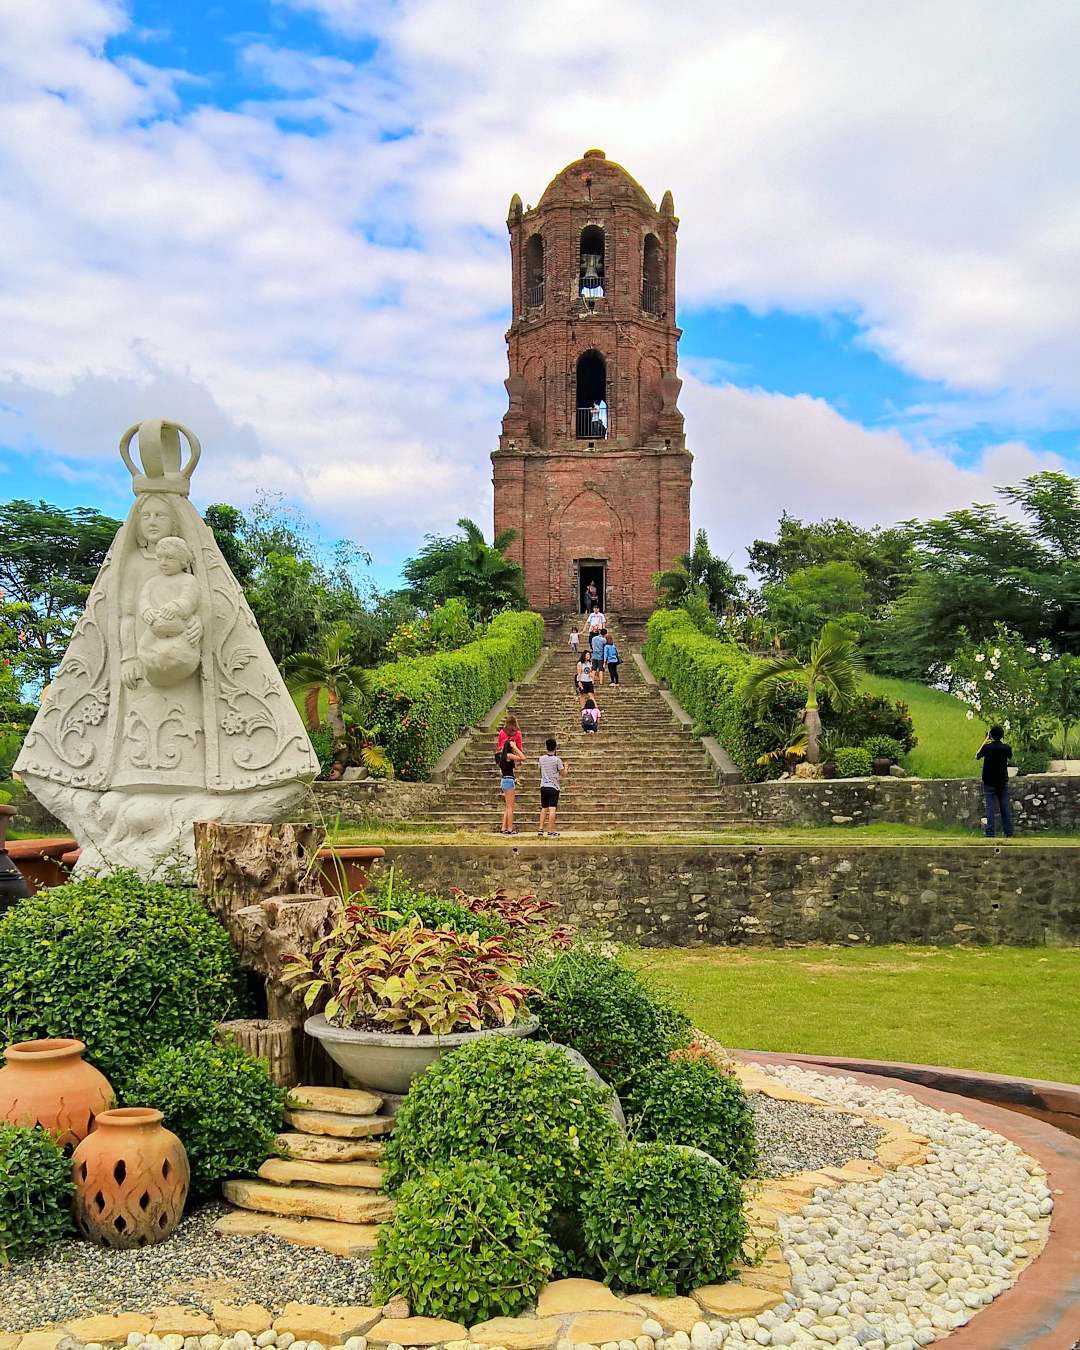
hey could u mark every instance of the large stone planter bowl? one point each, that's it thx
(388, 1061)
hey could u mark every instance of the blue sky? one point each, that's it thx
(282, 223)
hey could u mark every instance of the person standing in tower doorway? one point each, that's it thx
(592, 597)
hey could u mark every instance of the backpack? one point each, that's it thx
(591, 716)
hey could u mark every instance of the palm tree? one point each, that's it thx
(831, 669)
(700, 571)
(467, 568)
(332, 668)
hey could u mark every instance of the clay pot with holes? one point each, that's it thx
(48, 1083)
(131, 1179)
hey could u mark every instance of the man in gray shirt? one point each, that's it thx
(551, 771)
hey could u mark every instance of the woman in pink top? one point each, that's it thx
(510, 732)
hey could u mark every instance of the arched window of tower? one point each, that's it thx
(534, 271)
(592, 408)
(592, 262)
(652, 276)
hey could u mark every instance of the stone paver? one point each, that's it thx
(340, 1101)
(736, 1300)
(415, 1331)
(339, 1126)
(329, 1326)
(342, 1239)
(580, 1296)
(179, 1321)
(286, 1171)
(109, 1328)
(673, 1314)
(249, 1317)
(598, 1328)
(323, 1148)
(312, 1202)
(517, 1333)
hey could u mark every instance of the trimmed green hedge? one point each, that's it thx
(423, 703)
(704, 674)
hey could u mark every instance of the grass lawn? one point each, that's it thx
(1000, 1009)
(947, 740)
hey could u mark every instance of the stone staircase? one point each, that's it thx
(641, 772)
(322, 1189)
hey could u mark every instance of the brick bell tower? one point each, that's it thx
(592, 469)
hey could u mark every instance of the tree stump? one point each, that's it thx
(271, 1039)
(239, 865)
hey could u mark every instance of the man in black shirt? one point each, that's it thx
(995, 754)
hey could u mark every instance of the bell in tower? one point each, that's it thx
(592, 470)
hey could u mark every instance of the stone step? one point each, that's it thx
(365, 1176)
(338, 1101)
(324, 1148)
(340, 1239)
(337, 1125)
(339, 1203)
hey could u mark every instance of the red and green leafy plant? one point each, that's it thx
(526, 917)
(411, 979)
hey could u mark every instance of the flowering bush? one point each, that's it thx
(445, 629)
(410, 979)
(1005, 680)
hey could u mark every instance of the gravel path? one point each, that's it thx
(194, 1267)
(793, 1137)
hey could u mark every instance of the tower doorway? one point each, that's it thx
(594, 572)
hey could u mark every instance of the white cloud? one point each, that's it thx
(756, 453)
(325, 307)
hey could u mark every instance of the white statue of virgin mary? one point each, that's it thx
(167, 708)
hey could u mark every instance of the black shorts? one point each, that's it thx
(598, 663)
(549, 797)
(585, 687)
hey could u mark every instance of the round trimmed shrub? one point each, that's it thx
(519, 1103)
(222, 1103)
(884, 747)
(852, 761)
(607, 1013)
(465, 1243)
(35, 1192)
(690, 1101)
(126, 965)
(664, 1219)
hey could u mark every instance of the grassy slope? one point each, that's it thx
(947, 740)
(1000, 1009)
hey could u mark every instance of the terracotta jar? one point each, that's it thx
(131, 1179)
(48, 1083)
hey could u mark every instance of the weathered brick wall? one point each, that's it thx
(673, 895)
(1039, 802)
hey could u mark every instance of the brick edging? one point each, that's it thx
(1042, 1309)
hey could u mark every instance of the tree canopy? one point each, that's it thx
(700, 572)
(466, 567)
(49, 558)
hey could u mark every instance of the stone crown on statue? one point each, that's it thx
(160, 453)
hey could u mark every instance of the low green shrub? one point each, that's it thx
(1032, 759)
(606, 1012)
(884, 747)
(220, 1101)
(35, 1192)
(706, 674)
(852, 761)
(663, 1219)
(466, 1243)
(691, 1101)
(520, 1103)
(126, 965)
(398, 901)
(423, 703)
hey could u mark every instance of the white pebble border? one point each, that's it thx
(901, 1261)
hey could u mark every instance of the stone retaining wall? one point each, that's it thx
(676, 894)
(373, 798)
(1039, 801)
